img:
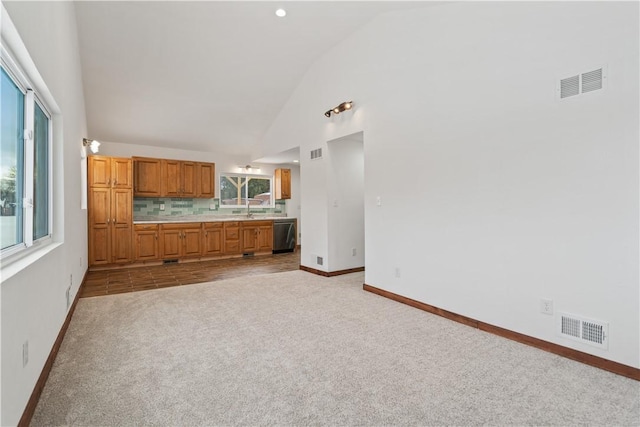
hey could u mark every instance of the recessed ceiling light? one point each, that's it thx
(296, 161)
(281, 13)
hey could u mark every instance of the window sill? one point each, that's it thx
(19, 262)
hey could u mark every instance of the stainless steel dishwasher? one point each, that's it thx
(284, 235)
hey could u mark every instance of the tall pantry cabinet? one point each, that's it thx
(110, 210)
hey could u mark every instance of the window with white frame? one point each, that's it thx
(238, 190)
(25, 162)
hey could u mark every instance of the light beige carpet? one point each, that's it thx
(298, 349)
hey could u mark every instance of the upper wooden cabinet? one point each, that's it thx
(283, 184)
(173, 178)
(206, 173)
(179, 178)
(110, 172)
(147, 177)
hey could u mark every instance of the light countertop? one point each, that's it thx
(202, 218)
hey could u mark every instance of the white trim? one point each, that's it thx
(27, 205)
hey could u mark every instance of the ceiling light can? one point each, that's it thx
(281, 13)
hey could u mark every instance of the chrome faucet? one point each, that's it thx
(249, 214)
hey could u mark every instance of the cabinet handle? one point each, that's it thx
(156, 236)
(108, 220)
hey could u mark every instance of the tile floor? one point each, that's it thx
(108, 282)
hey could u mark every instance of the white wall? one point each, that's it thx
(33, 300)
(494, 193)
(345, 191)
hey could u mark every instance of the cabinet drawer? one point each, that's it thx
(181, 225)
(147, 227)
(232, 233)
(249, 224)
(231, 224)
(212, 225)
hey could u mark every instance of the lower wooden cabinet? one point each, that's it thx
(232, 244)
(180, 240)
(212, 238)
(110, 216)
(146, 242)
(257, 236)
(154, 241)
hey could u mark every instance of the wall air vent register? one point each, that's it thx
(581, 83)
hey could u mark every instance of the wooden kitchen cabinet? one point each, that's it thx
(213, 233)
(282, 184)
(147, 177)
(110, 172)
(180, 240)
(257, 236)
(110, 210)
(232, 242)
(205, 175)
(146, 242)
(179, 178)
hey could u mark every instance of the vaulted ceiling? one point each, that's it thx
(206, 76)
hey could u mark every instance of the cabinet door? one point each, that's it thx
(170, 243)
(121, 205)
(147, 177)
(249, 239)
(121, 173)
(206, 176)
(99, 171)
(99, 226)
(189, 182)
(171, 178)
(283, 184)
(121, 249)
(213, 240)
(147, 245)
(99, 207)
(265, 238)
(192, 242)
(286, 183)
(99, 245)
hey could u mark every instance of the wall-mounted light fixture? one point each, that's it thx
(347, 105)
(248, 168)
(92, 144)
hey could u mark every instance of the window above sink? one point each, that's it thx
(236, 189)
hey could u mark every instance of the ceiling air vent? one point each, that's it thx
(587, 331)
(582, 83)
(316, 154)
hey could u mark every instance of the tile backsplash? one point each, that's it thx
(144, 207)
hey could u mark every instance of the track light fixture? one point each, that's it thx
(92, 144)
(347, 105)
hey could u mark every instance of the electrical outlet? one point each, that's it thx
(71, 279)
(161, 206)
(546, 306)
(25, 353)
(378, 201)
(68, 296)
(212, 206)
(319, 260)
(397, 272)
(353, 251)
